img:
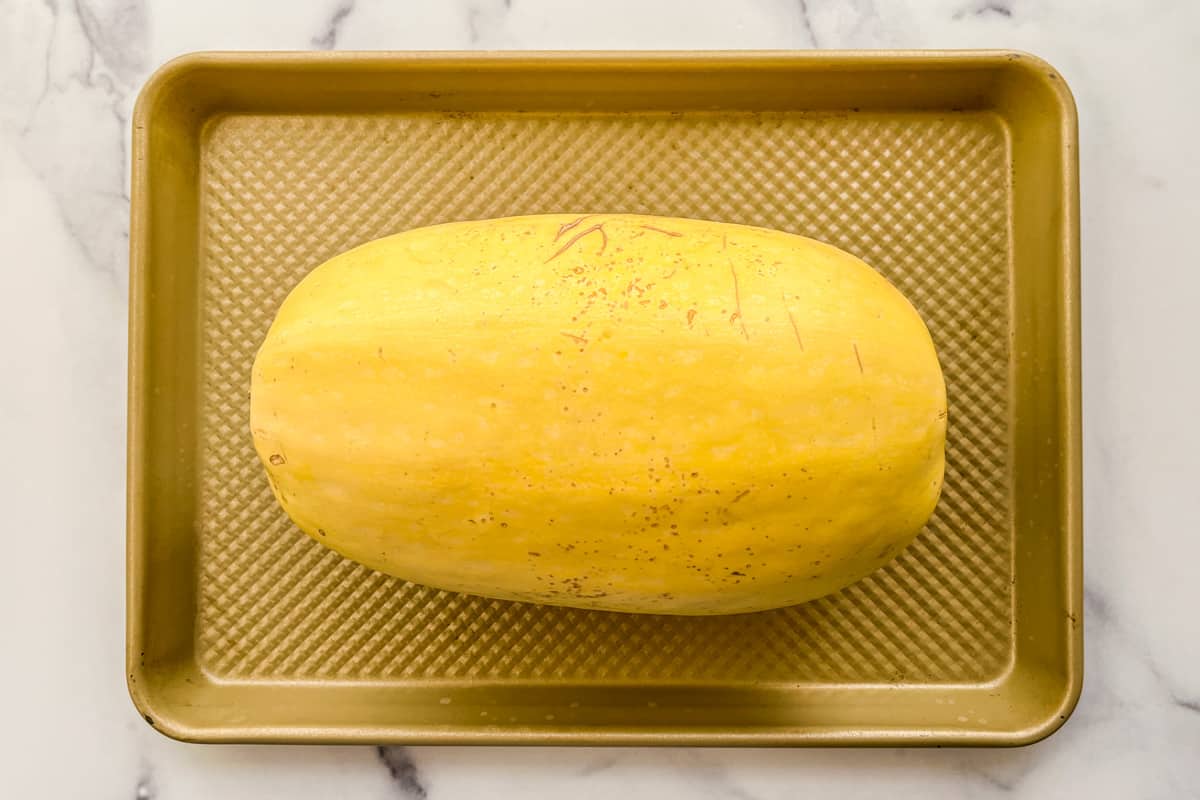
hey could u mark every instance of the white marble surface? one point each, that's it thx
(69, 71)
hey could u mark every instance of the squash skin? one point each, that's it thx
(607, 411)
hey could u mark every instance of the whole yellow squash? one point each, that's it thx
(606, 411)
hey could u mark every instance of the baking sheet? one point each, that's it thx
(953, 173)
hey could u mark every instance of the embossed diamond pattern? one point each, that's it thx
(921, 198)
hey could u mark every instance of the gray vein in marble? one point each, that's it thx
(859, 24)
(806, 21)
(403, 770)
(37, 103)
(104, 46)
(1185, 703)
(327, 40)
(109, 35)
(473, 14)
(89, 32)
(999, 8)
(71, 227)
(486, 20)
(117, 96)
(991, 780)
(145, 788)
(1098, 607)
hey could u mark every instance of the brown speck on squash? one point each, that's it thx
(321, 531)
(277, 459)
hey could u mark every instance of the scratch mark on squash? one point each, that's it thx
(795, 330)
(737, 297)
(858, 358)
(739, 496)
(566, 226)
(579, 340)
(597, 228)
(691, 316)
(661, 230)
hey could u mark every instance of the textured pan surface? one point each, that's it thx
(923, 199)
(924, 194)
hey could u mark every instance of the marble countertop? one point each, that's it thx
(69, 71)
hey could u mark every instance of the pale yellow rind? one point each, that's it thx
(606, 411)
